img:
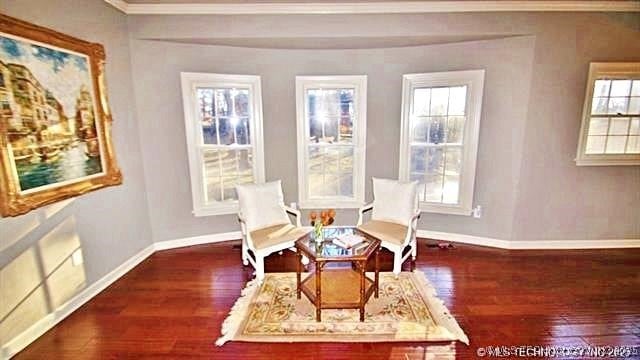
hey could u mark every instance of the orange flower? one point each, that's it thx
(332, 213)
(313, 215)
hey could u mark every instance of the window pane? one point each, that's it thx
(595, 144)
(455, 129)
(457, 100)
(223, 169)
(223, 103)
(316, 159)
(598, 126)
(346, 160)
(634, 105)
(346, 185)
(434, 175)
(453, 165)
(242, 131)
(601, 88)
(618, 105)
(206, 112)
(599, 105)
(209, 131)
(420, 129)
(330, 114)
(231, 106)
(323, 129)
(241, 102)
(322, 185)
(633, 145)
(635, 90)
(419, 177)
(634, 129)
(346, 129)
(421, 101)
(418, 159)
(620, 87)
(226, 131)
(436, 126)
(439, 101)
(330, 102)
(619, 126)
(330, 159)
(616, 144)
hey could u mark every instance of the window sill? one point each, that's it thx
(608, 162)
(444, 209)
(330, 203)
(217, 210)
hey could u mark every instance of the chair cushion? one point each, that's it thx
(385, 231)
(278, 234)
(394, 201)
(262, 205)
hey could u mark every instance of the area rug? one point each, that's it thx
(407, 310)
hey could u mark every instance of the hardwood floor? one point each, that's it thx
(172, 305)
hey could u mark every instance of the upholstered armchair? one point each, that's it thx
(394, 219)
(265, 224)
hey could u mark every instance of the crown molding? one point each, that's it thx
(118, 4)
(400, 7)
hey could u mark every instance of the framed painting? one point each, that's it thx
(55, 123)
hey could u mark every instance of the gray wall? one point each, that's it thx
(536, 65)
(109, 225)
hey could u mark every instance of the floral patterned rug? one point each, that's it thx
(407, 310)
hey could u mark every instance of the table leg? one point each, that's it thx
(363, 266)
(377, 274)
(318, 290)
(298, 275)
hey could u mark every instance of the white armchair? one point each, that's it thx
(394, 219)
(266, 228)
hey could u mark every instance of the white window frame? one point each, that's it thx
(474, 80)
(195, 143)
(359, 84)
(598, 71)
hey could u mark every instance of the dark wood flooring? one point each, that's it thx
(172, 305)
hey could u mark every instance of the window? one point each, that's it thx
(223, 119)
(439, 137)
(331, 140)
(610, 132)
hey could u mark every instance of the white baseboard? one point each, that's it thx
(197, 240)
(466, 239)
(531, 244)
(25, 338)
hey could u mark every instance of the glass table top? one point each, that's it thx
(326, 248)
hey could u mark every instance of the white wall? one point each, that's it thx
(537, 63)
(108, 226)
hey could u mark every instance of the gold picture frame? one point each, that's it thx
(55, 123)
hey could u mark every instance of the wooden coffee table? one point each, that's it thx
(338, 288)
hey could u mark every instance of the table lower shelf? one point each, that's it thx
(340, 289)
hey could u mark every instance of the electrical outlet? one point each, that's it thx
(477, 212)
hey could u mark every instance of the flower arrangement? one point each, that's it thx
(326, 218)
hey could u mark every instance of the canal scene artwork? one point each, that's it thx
(55, 122)
(48, 107)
